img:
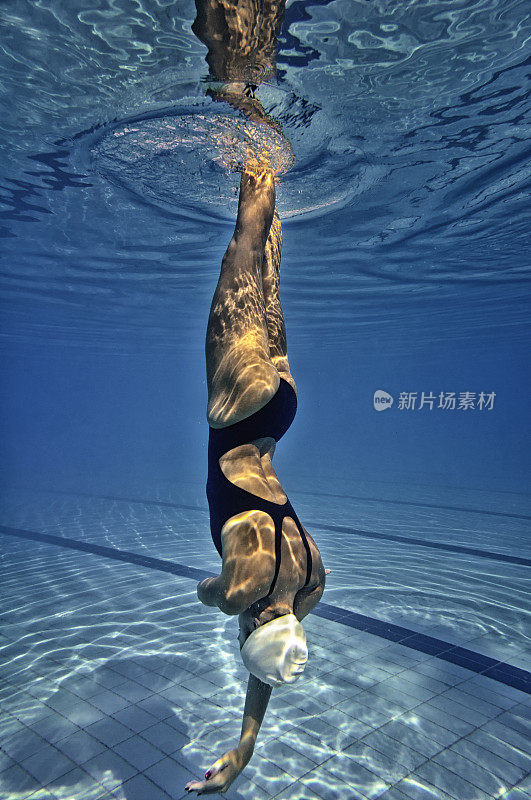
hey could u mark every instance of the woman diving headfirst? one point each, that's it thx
(272, 574)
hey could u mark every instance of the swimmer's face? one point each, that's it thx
(278, 661)
(297, 665)
(294, 673)
(291, 670)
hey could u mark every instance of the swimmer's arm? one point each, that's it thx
(306, 599)
(256, 702)
(213, 592)
(226, 769)
(210, 592)
(303, 603)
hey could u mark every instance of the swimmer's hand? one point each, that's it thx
(328, 571)
(221, 774)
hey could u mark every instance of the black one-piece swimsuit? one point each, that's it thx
(225, 499)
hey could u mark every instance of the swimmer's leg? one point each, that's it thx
(241, 377)
(276, 328)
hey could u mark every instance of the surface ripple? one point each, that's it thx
(399, 138)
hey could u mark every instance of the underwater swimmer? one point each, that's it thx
(272, 573)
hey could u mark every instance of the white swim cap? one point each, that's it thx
(276, 652)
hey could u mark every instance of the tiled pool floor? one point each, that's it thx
(117, 683)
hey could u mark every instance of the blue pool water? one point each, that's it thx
(403, 192)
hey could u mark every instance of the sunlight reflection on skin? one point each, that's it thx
(241, 378)
(246, 354)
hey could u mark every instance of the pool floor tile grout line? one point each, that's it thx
(502, 672)
(346, 529)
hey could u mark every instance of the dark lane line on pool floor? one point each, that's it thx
(450, 548)
(475, 662)
(414, 503)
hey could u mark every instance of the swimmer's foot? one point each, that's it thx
(256, 204)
